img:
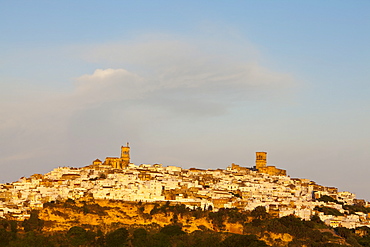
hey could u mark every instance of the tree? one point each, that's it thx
(260, 213)
(328, 210)
(326, 198)
(4, 237)
(117, 238)
(316, 219)
(140, 237)
(32, 239)
(205, 238)
(237, 240)
(159, 240)
(343, 232)
(33, 223)
(77, 236)
(172, 230)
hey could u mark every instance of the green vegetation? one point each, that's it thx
(33, 223)
(237, 240)
(328, 211)
(168, 236)
(117, 238)
(86, 207)
(326, 198)
(356, 208)
(256, 225)
(356, 237)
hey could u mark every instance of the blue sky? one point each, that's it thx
(187, 83)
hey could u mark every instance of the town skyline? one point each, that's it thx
(244, 188)
(260, 165)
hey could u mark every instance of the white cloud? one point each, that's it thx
(160, 68)
(107, 85)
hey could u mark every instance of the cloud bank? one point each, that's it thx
(139, 90)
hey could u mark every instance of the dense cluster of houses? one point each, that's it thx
(234, 186)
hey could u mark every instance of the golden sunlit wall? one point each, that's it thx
(261, 160)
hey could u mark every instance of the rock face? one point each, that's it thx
(277, 239)
(234, 228)
(107, 214)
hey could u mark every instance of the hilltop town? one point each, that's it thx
(234, 187)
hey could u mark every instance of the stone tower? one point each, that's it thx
(125, 156)
(261, 160)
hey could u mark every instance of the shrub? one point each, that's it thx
(237, 240)
(172, 230)
(77, 236)
(117, 238)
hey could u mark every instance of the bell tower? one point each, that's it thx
(261, 160)
(125, 155)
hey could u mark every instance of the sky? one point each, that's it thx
(187, 83)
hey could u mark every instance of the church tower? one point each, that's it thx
(261, 160)
(125, 156)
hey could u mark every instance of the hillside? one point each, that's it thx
(186, 227)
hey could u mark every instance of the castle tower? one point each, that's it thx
(261, 159)
(125, 156)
